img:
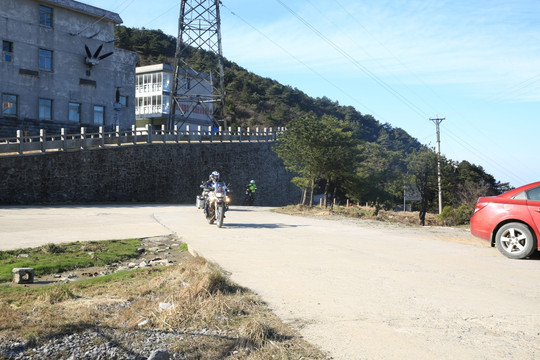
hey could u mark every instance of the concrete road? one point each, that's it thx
(358, 290)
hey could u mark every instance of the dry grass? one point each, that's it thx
(361, 212)
(220, 318)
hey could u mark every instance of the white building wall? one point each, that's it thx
(153, 89)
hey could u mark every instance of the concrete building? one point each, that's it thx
(153, 97)
(60, 69)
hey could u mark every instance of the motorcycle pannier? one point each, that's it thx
(200, 201)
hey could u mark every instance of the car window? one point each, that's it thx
(534, 194)
(521, 196)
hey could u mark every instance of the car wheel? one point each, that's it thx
(515, 241)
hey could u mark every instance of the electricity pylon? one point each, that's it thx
(201, 91)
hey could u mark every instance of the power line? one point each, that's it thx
(301, 62)
(524, 83)
(370, 74)
(480, 154)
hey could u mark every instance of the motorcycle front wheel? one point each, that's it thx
(211, 216)
(220, 213)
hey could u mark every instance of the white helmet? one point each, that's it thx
(252, 182)
(214, 176)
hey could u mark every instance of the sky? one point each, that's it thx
(474, 63)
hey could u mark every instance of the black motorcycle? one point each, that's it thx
(249, 197)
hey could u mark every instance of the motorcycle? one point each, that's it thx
(215, 202)
(249, 197)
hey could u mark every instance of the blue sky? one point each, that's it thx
(475, 63)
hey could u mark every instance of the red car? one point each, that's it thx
(510, 221)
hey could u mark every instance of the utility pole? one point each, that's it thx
(437, 122)
(202, 91)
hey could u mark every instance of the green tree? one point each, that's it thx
(295, 148)
(422, 167)
(377, 174)
(338, 151)
(318, 149)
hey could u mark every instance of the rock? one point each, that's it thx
(165, 306)
(164, 262)
(23, 275)
(144, 322)
(159, 355)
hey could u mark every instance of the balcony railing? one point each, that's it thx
(44, 143)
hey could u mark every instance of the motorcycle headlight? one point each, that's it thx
(219, 195)
(227, 199)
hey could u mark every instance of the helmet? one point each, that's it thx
(214, 176)
(252, 182)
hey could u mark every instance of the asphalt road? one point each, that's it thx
(358, 290)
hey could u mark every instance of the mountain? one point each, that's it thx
(388, 160)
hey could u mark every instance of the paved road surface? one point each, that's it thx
(358, 290)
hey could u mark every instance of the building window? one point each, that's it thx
(167, 81)
(9, 105)
(75, 112)
(45, 16)
(99, 114)
(123, 101)
(152, 82)
(7, 50)
(166, 103)
(45, 109)
(45, 59)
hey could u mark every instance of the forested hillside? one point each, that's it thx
(360, 159)
(252, 100)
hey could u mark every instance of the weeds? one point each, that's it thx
(52, 249)
(218, 318)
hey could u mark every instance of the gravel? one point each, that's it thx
(101, 343)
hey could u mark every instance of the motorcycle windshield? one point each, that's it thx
(220, 187)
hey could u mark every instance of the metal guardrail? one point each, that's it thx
(44, 143)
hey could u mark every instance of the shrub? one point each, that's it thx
(459, 216)
(463, 214)
(448, 216)
(51, 248)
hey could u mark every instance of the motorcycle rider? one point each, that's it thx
(213, 178)
(210, 183)
(250, 189)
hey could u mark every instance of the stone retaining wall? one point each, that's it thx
(153, 173)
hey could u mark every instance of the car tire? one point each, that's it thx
(515, 241)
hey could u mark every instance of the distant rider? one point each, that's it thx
(250, 192)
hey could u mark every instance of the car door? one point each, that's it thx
(533, 204)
